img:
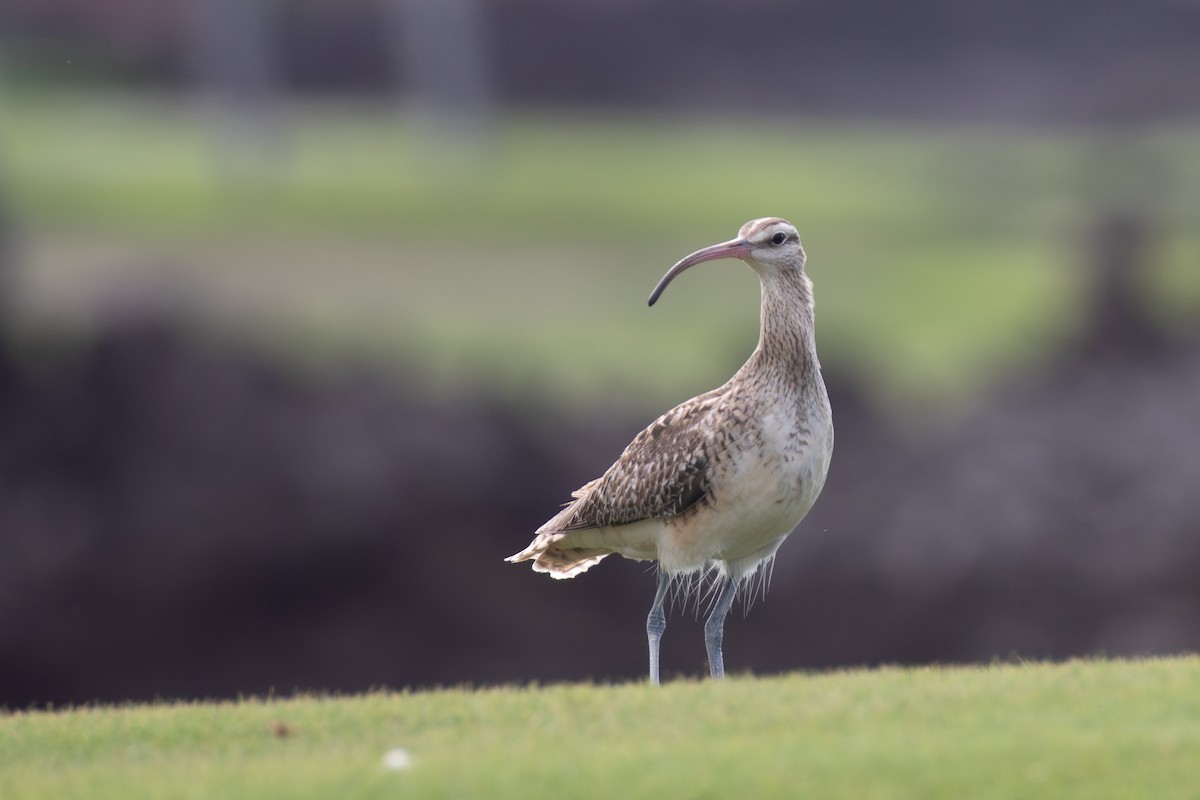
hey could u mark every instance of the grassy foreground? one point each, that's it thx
(1079, 729)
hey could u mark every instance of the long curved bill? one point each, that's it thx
(734, 248)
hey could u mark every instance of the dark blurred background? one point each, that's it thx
(311, 311)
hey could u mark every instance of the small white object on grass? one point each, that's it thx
(397, 758)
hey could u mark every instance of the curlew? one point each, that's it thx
(717, 482)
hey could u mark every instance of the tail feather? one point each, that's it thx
(558, 562)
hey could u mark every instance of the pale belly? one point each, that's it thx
(755, 509)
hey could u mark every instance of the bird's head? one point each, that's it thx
(769, 245)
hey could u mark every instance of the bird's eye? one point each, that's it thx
(779, 238)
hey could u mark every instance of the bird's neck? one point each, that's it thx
(786, 344)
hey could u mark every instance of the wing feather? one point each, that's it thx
(663, 472)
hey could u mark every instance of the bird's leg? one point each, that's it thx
(656, 623)
(714, 627)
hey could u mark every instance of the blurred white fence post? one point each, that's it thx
(233, 59)
(440, 55)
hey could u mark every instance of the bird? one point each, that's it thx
(715, 485)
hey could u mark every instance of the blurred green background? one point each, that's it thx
(944, 255)
(519, 253)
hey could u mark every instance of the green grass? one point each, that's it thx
(1094, 729)
(943, 256)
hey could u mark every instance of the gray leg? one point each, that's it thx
(656, 623)
(714, 627)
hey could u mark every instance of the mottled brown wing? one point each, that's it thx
(663, 472)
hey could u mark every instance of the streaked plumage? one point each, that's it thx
(722, 479)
